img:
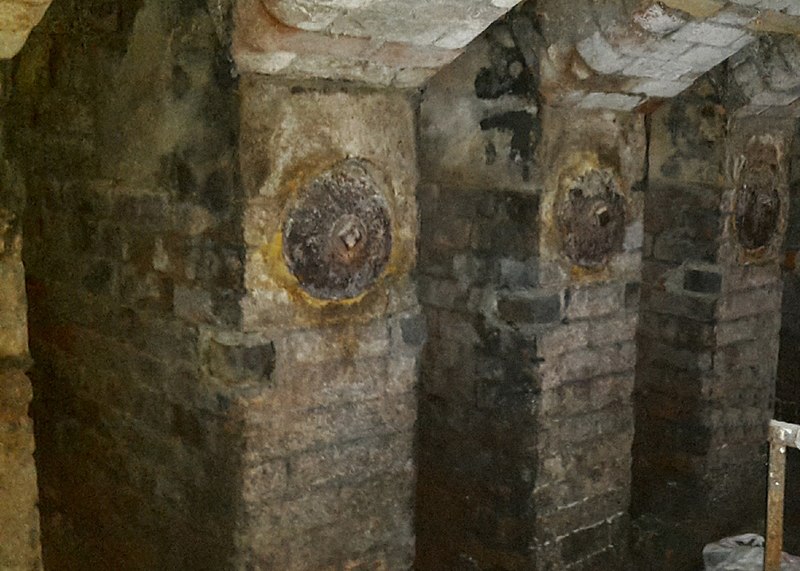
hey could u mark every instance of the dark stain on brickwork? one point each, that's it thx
(181, 82)
(98, 278)
(509, 71)
(185, 180)
(756, 217)
(216, 191)
(238, 364)
(702, 282)
(508, 74)
(521, 125)
(697, 124)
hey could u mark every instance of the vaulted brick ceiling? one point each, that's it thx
(658, 49)
(386, 42)
(611, 54)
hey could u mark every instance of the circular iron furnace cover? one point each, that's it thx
(592, 219)
(337, 236)
(758, 200)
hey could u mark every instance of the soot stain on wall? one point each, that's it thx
(521, 125)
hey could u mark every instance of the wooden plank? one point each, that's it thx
(775, 495)
(784, 433)
(782, 436)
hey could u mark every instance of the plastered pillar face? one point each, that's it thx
(330, 228)
(592, 201)
(591, 215)
(297, 142)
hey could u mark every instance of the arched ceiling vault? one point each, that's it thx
(617, 54)
(386, 42)
(659, 49)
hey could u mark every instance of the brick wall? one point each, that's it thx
(479, 395)
(590, 256)
(197, 408)
(327, 465)
(124, 121)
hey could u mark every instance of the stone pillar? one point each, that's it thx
(19, 516)
(715, 217)
(529, 266)
(330, 230)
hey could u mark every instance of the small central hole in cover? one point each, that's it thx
(350, 236)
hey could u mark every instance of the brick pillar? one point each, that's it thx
(330, 229)
(19, 516)
(133, 259)
(708, 339)
(529, 266)
(591, 235)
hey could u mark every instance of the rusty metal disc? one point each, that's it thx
(337, 235)
(591, 218)
(758, 200)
